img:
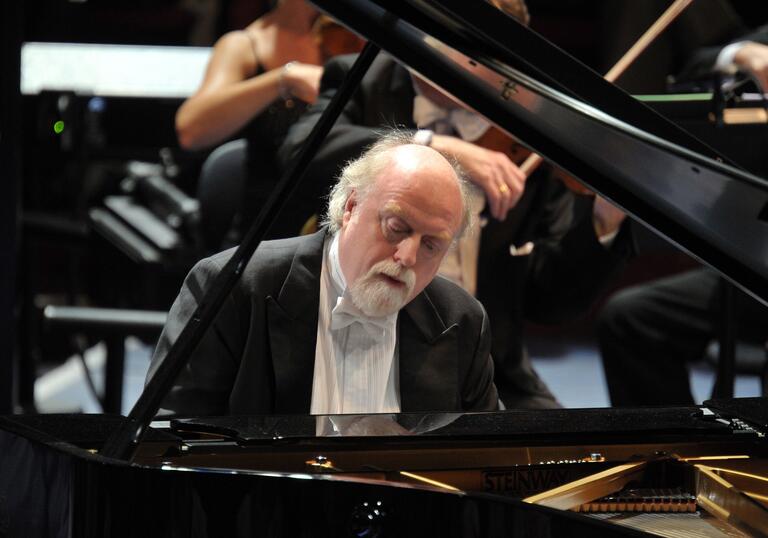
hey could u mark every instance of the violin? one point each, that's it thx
(497, 140)
(333, 39)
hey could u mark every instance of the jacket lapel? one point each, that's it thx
(427, 348)
(292, 320)
(428, 358)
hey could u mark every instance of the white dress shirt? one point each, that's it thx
(356, 357)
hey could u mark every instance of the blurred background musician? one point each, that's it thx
(536, 258)
(649, 333)
(747, 53)
(259, 81)
(709, 36)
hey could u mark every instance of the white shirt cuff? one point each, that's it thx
(423, 137)
(607, 239)
(727, 54)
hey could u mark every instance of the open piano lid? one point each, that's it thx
(655, 171)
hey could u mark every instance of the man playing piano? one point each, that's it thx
(350, 319)
(536, 259)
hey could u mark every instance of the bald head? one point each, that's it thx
(405, 162)
(425, 179)
(421, 160)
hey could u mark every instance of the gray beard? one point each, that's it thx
(374, 297)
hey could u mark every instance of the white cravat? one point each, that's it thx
(356, 366)
(345, 313)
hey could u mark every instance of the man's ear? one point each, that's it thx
(349, 207)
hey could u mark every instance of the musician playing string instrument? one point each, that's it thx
(534, 259)
(272, 60)
(710, 36)
(649, 333)
(257, 83)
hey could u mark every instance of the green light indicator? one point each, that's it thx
(58, 127)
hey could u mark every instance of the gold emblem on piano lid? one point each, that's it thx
(508, 89)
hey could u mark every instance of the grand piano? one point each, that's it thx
(681, 471)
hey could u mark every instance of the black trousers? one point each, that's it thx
(649, 332)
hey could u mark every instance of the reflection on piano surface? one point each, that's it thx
(683, 471)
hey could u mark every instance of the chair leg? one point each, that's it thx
(114, 372)
(724, 380)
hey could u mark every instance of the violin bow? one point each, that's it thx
(534, 160)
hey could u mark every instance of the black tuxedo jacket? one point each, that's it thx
(259, 355)
(559, 280)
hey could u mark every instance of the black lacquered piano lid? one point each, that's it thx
(550, 425)
(561, 109)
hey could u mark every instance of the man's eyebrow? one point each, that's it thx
(443, 236)
(397, 211)
(393, 207)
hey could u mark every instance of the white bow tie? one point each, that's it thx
(345, 313)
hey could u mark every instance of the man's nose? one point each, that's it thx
(407, 250)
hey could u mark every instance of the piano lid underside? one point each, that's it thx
(712, 210)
